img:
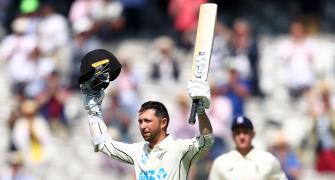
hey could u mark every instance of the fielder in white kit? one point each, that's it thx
(245, 162)
(160, 156)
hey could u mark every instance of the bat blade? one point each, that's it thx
(203, 48)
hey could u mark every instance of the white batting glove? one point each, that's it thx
(92, 99)
(199, 89)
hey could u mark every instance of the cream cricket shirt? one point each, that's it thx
(169, 160)
(256, 165)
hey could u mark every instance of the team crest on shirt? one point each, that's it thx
(144, 158)
(161, 155)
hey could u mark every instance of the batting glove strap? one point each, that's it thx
(201, 108)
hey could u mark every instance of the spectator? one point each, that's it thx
(27, 68)
(15, 114)
(16, 169)
(118, 118)
(323, 131)
(53, 30)
(298, 55)
(54, 38)
(286, 156)
(237, 90)
(106, 16)
(243, 49)
(220, 52)
(52, 100)
(127, 84)
(15, 50)
(165, 66)
(31, 135)
(185, 16)
(19, 41)
(82, 9)
(109, 20)
(40, 68)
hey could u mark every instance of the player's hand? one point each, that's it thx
(199, 89)
(92, 99)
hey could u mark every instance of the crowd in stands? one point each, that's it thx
(43, 46)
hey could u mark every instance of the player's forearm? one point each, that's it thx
(205, 126)
(104, 143)
(98, 130)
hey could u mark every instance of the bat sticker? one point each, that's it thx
(200, 65)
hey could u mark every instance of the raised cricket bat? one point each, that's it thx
(203, 48)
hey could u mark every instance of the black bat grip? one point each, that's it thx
(194, 108)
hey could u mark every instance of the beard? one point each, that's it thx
(149, 136)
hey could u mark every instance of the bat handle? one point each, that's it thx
(194, 108)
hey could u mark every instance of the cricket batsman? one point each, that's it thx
(159, 156)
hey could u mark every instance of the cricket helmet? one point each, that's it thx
(99, 67)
